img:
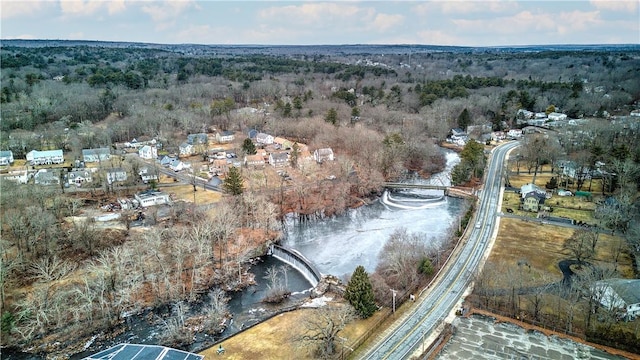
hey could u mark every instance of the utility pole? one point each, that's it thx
(393, 292)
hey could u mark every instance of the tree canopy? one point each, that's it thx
(359, 293)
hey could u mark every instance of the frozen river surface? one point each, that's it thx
(339, 244)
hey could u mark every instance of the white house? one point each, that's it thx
(529, 188)
(177, 165)
(79, 176)
(6, 157)
(324, 154)
(152, 197)
(225, 136)
(278, 159)
(116, 175)
(48, 157)
(148, 174)
(554, 116)
(186, 149)
(96, 155)
(622, 294)
(148, 152)
(514, 133)
(263, 138)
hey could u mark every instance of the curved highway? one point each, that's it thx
(438, 302)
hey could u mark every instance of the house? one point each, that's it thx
(20, 177)
(533, 201)
(186, 149)
(266, 139)
(78, 177)
(524, 114)
(166, 160)
(116, 175)
(254, 160)
(96, 155)
(283, 143)
(225, 136)
(198, 139)
(498, 135)
(152, 197)
(528, 188)
(219, 167)
(514, 134)
(554, 116)
(252, 134)
(324, 154)
(148, 174)
(457, 133)
(278, 159)
(48, 157)
(622, 294)
(148, 152)
(47, 177)
(6, 157)
(177, 165)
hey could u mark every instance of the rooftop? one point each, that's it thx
(143, 352)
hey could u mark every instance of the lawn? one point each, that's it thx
(540, 245)
(275, 338)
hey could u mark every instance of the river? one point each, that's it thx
(339, 244)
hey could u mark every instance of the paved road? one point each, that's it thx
(432, 307)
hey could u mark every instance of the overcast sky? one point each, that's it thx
(464, 23)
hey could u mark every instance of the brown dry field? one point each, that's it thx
(275, 338)
(541, 246)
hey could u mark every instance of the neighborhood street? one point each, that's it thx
(407, 337)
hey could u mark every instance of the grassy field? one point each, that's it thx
(541, 247)
(275, 338)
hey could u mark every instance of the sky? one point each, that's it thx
(452, 22)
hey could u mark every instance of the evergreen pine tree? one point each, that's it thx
(233, 182)
(359, 293)
(248, 147)
(332, 116)
(464, 119)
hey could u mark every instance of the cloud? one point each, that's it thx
(164, 13)
(116, 6)
(314, 14)
(612, 5)
(525, 22)
(12, 9)
(384, 22)
(462, 7)
(80, 7)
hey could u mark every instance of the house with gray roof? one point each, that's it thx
(278, 159)
(620, 294)
(6, 157)
(96, 155)
(47, 177)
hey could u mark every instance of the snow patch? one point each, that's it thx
(317, 302)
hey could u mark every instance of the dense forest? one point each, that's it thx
(384, 112)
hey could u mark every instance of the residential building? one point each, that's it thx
(47, 177)
(254, 160)
(457, 132)
(278, 159)
(265, 139)
(283, 143)
(96, 155)
(78, 177)
(177, 165)
(219, 166)
(116, 175)
(186, 149)
(324, 154)
(528, 188)
(198, 139)
(48, 157)
(147, 174)
(621, 294)
(252, 134)
(225, 136)
(533, 201)
(166, 160)
(152, 197)
(554, 116)
(148, 152)
(6, 157)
